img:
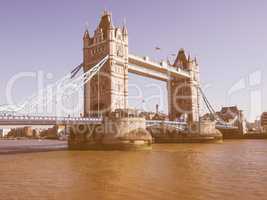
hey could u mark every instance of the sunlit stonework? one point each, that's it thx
(108, 91)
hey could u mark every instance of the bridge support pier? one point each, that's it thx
(112, 134)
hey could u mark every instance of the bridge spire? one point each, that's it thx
(195, 61)
(124, 28)
(86, 39)
(86, 34)
(189, 57)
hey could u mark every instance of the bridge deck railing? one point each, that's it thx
(48, 119)
(179, 125)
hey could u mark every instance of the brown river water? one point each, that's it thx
(233, 170)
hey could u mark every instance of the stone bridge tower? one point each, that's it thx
(183, 93)
(107, 90)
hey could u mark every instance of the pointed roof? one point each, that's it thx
(195, 60)
(189, 58)
(105, 22)
(86, 35)
(181, 60)
(124, 30)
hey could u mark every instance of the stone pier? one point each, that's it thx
(112, 134)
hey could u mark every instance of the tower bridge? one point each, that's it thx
(106, 65)
(108, 91)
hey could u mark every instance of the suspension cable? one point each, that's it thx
(206, 101)
(207, 105)
(98, 96)
(60, 85)
(211, 110)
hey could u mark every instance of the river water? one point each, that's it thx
(232, 170)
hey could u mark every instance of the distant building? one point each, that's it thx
(264, 121)
(254, 126)
(118, 113)
(207, 116)
(147, 115)
(4, 132)
(158, 115)
(233, 116)
(21, 132)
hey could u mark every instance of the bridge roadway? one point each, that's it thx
(46, 120)
(226, 126)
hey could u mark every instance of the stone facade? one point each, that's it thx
(108, 90)
(183, 92)
(113, 134)
(235, 117)
(264, 121)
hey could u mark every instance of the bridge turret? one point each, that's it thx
(189, 58)
(108, 91)
(194, 83)
(86, 44)
(125, 33)
(106, 24)
(195, 61)
(183, 92)
(86, 39)
(189, 62)
(86, 35)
